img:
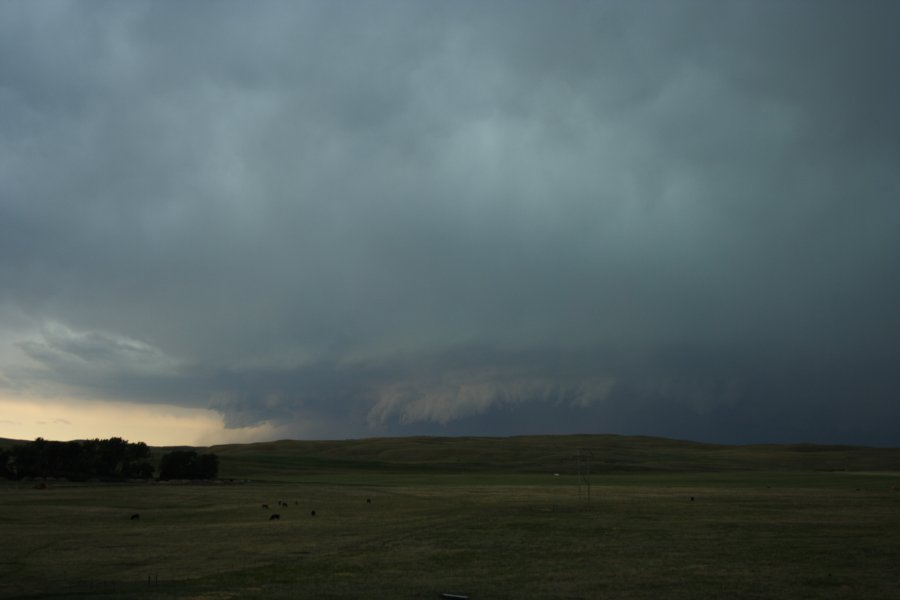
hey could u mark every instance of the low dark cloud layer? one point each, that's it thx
(673, 218)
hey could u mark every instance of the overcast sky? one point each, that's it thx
(354, 219)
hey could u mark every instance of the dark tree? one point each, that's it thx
(176, 464)
(207, 466)
(27, 459)
(6, 471)
(187, 464)
(136, 461)
(111, 459)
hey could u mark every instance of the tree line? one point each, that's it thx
(112, 459)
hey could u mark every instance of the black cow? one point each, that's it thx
(135, 517)
(275, 517)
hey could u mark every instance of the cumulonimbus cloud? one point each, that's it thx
(639, 215)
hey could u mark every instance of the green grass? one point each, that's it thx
(501, 529)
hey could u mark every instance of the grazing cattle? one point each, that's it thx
(266, 506)
(135, 517)
(368, 501)
(312, 513)
(275, 517)
(692, 498)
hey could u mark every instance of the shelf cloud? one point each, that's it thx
(342, 220)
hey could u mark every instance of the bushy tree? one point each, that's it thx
(6, 471)
(187, 464)
(112, 458)
(207, 466)
(137, 464)
(28, 459)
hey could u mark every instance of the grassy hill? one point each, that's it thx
(288, 460)
(610, 454)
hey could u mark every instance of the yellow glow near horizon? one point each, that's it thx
(154, 424)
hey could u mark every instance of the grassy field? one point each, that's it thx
(413, 518)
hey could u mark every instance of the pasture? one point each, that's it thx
(407, 533)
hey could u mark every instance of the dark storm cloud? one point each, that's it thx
(648, 217)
